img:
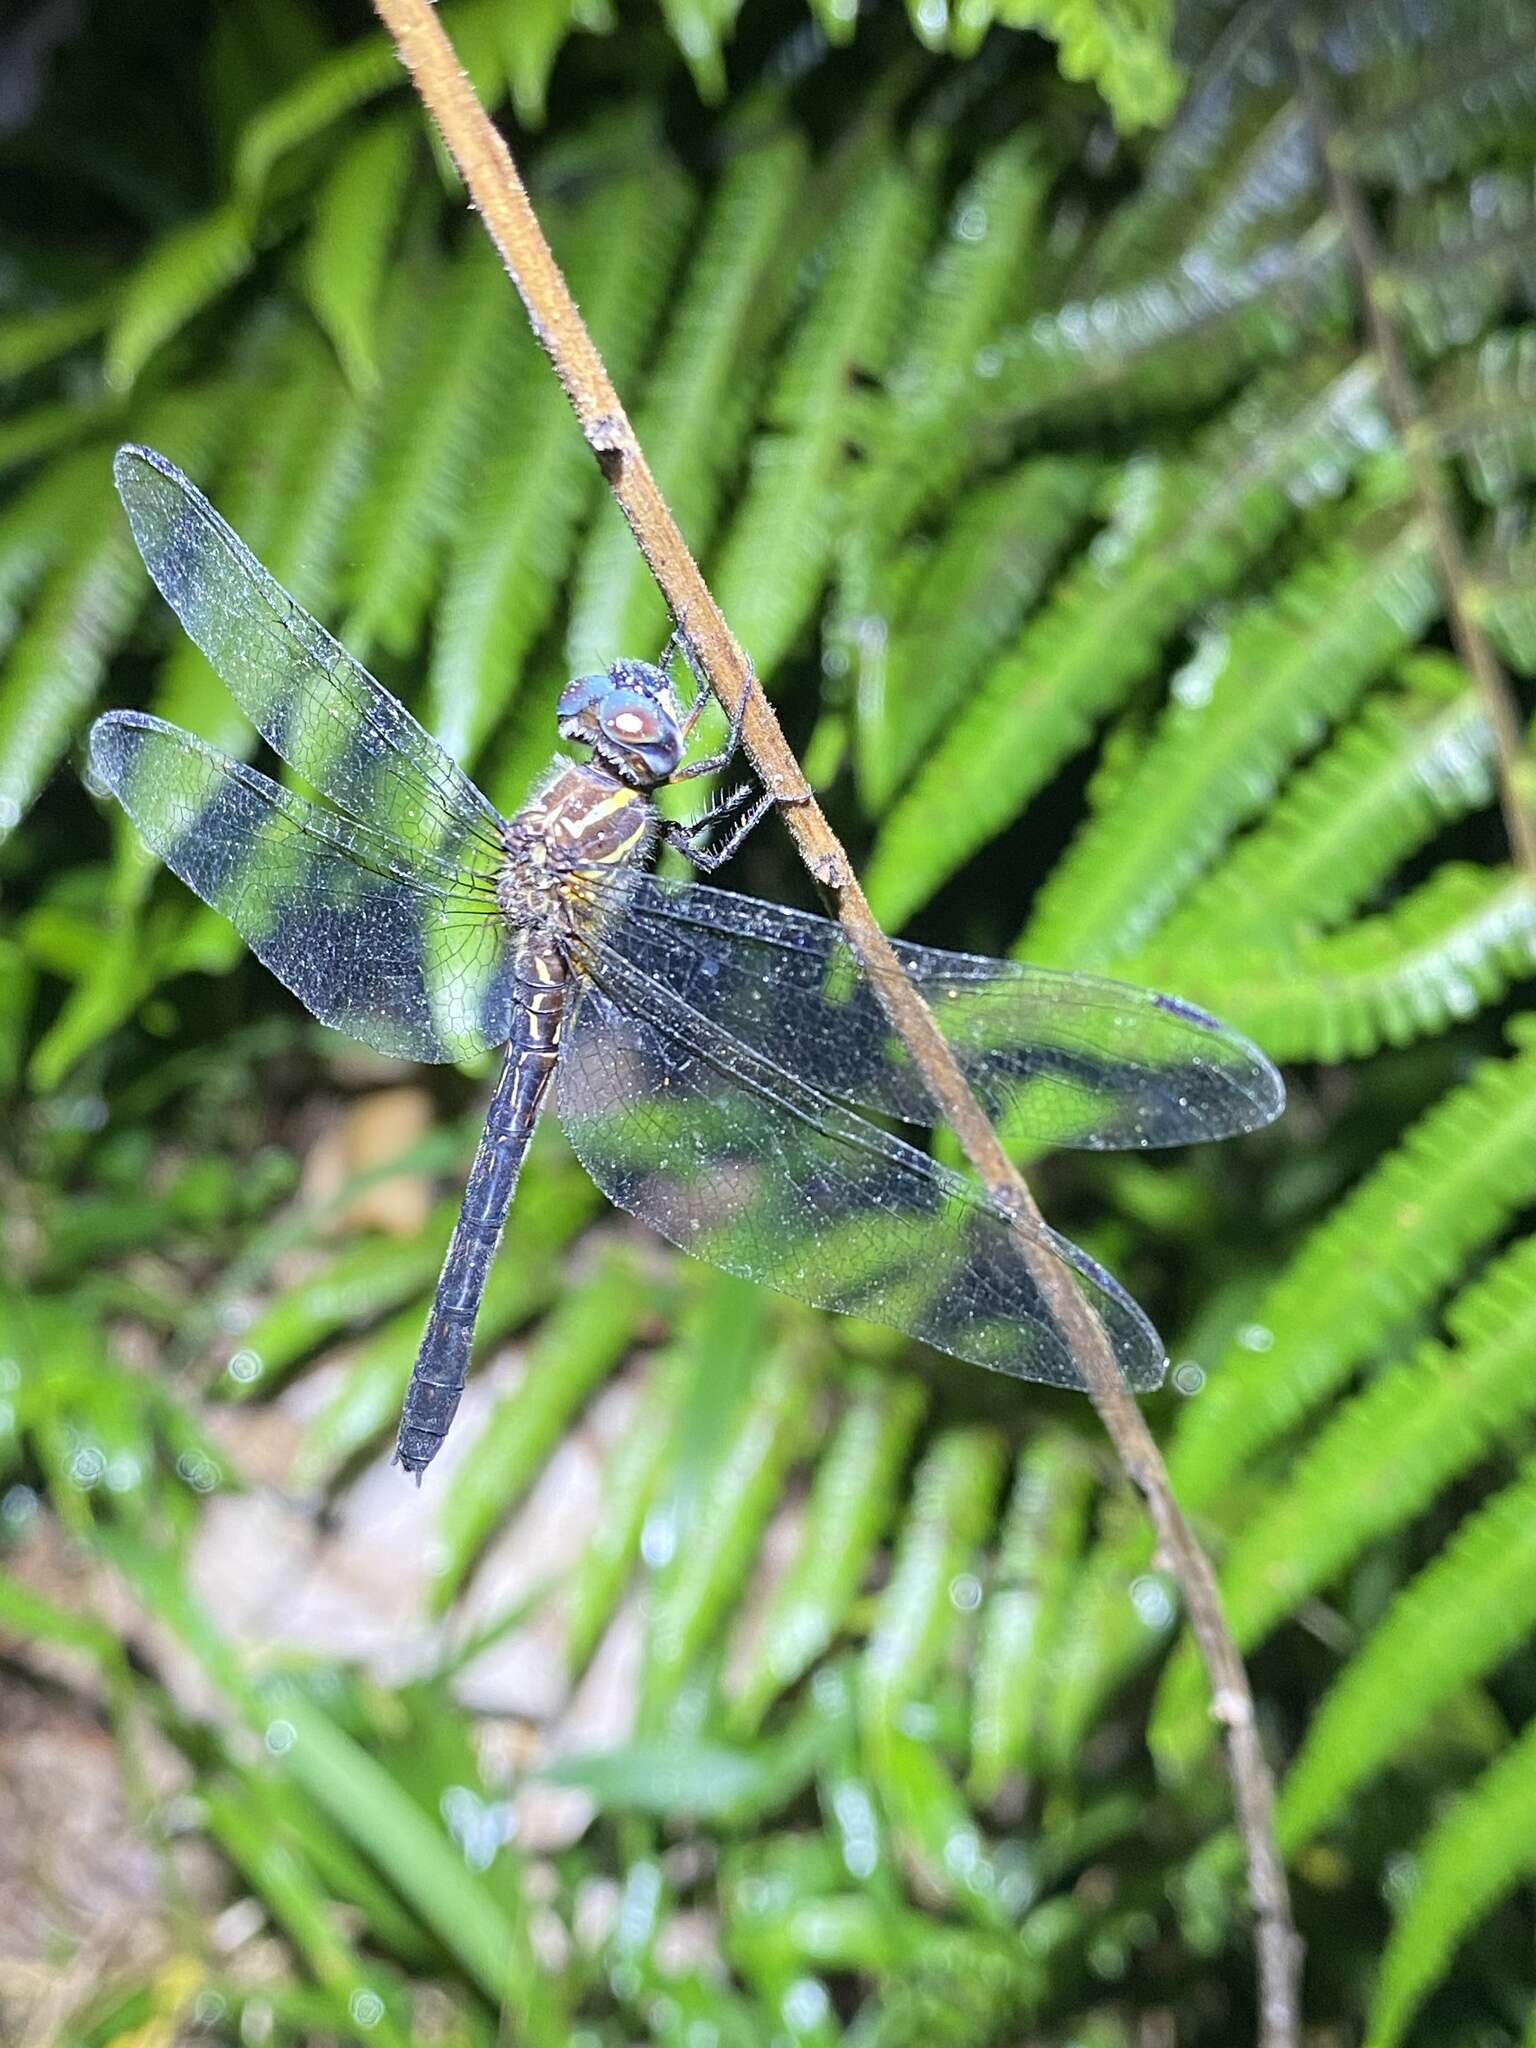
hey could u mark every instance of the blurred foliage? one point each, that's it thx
(1041, 469)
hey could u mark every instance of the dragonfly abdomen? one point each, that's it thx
(442, 1364)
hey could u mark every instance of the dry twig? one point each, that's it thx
(497, 192)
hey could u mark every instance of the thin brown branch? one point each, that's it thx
(1456, 579)
(497, 191)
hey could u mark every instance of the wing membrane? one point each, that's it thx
(735, 1159)
(314, 704)
(1057, 1059)
(393, 946)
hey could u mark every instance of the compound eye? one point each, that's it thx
(633, 727)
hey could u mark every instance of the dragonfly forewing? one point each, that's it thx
(315, 705)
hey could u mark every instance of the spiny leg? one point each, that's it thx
(707, 858)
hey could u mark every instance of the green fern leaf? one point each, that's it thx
(1504, 599)
(56, 665)
(1458, 942)
(916, 449)
(37, 336)
(1467, 1862)
(700, 1583)
(1458, 1620)
(337, 86)
(1456, 255)
(1172, 340)
(699, 28)
(531, 36)
(954, 1491)
(1255, 695)
(852, 1497)
(1120, 46)
(39, 524)
(184, 271)
(515, 544)
(986, 573)
(577, 1346)
(435, 429)
(366, 1405)
(286, 490)
(1378, 1462)
(1221, 167)
(1373, 1267)
(630, 1485)
(697, 405)
(1481, 409)
(1414, 759)
(356, 216)
(87, 606)
(775, 554)
(1022, 1621)
(1413, 123)
(1182, 532)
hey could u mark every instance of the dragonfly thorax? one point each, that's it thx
(581, 821)
(630, 717)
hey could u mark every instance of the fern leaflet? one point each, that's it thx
(1378, 1462)
(1254, 696)
(1459, 1619)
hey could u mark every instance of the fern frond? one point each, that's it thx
(1456, 256)
(1181, 533)
(984, 576)
(87, 605)
(56, 665)
(515, 543)
(1208, 151)
(1255, 695)
(1467, 1862)
(182, 273)
(531, 36)
(774, 556)
(1456, 943)
(366, 1404)
(1122, 49)
(702, 1580)
(1504, 597)
(286, 488)
(1374, 1266)
(1377, 1464)
(1415, 122)
(1412, 760)
(577, 1346)
(697, 405)
(1481, 408)
(1175, 339)
(39, 523)
(630, 1485)
(1459, 1619)
(338, 85)
(852, 1497)
(356, 215)
(917, 448)
(1022, 1621)
(39, 335)
(433, 435)
(954, 1492)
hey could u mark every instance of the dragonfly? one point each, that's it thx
(723, 1067)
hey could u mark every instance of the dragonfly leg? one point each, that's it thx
(711, 764)
(707, 858)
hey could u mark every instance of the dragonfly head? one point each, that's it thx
(629, 716)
